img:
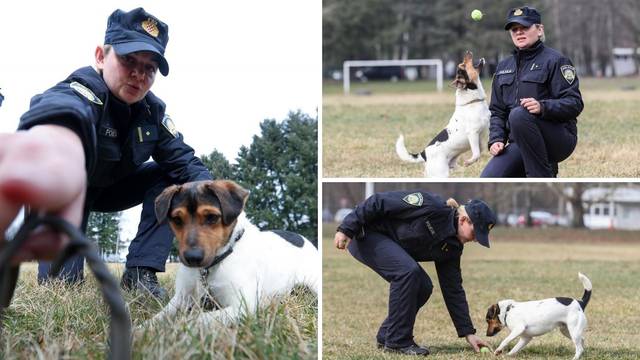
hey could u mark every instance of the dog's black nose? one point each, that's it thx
(194, 256)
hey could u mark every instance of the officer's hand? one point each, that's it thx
(341, 240)
(496, 148)
(476, 343)
(532, 105)
(43, 168)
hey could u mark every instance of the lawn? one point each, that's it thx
(523, 264)
(71, 322)
(359, 130)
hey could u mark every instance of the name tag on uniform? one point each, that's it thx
(146, 133)
(431, 229)
(506, 71)
(108, 132)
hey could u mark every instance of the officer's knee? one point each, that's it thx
(519, 119)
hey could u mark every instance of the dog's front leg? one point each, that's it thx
(224, 316)
(186, 284)
(512, 335)
(474, 143)
(524, 340)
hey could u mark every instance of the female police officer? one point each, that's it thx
(534, 104)
(395, 230)
(106, 120)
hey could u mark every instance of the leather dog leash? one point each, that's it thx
(120, 326)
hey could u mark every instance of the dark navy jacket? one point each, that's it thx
(425, 227)
(117, 138)
(538, 72)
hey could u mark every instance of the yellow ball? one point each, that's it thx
(476, 15)
(484, 349)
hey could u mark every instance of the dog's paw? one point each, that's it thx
(469, 162)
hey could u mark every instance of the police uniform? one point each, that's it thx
(119, 138)
(535, 142)
(391, 232)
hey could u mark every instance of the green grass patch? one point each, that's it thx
(359, 131)
(533, 266)
(71, 322)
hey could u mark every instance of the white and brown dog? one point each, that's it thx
(225, 257)
(468, 127)
(535, 318)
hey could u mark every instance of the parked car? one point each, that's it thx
(393, 73)
(539, 218)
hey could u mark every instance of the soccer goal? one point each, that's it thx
(347, 65)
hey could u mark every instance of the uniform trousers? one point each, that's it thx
(535, 148)
(410, 286)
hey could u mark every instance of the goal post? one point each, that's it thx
(347, 65)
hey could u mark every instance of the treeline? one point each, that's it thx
(584, 30)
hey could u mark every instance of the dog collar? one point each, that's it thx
(472, 101)
(218, 259)
(506, 313)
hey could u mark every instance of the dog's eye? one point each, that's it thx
(211, 219)
(176, 221)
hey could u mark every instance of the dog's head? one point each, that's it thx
(493, 322)
(202, 215)
(468, 75)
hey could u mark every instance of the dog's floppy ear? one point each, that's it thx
(232, 198)
(163, 202)
(493, 312)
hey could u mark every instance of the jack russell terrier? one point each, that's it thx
(535, 318)
(226, 259)
(467, 128)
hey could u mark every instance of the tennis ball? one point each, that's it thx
(476, 15)
(484, 349)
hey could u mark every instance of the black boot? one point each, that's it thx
(409, 350)
(145, 279)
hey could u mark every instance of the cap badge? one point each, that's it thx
(151, 27)
(414, 199)
(518, 12)
(569, 73)
(85, 92)
(168, 124)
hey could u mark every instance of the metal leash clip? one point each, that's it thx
(120, 326)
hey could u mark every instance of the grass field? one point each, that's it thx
(523, 264)
(71, 322)
(361, 130)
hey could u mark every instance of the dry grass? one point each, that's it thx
(71, 322)
(355, 298)
(359, 132)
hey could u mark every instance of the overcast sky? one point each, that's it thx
(232, 63)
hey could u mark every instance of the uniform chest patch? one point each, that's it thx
(568, 73)
(85, 92)
(168, 124)
(414, 199)
(291, 237)
(506, 71)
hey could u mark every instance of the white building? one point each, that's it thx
(612, 208)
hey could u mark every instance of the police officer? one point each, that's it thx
(120, 125)
(534, 106)
(392, 232)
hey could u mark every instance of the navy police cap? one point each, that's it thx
(137, 30)
(483, 220)
(525, 16)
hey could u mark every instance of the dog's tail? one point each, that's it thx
(402, 152)
(587, 290)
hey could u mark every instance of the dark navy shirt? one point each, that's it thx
(117, 137)
(538, 72)
(426, 228)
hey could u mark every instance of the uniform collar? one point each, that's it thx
(530, 52)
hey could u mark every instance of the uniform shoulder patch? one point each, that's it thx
(168, 124)
(85, 92)
(568, 73)
(414, 199)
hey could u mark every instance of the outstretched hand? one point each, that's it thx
(476, 342)
(43, 168)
